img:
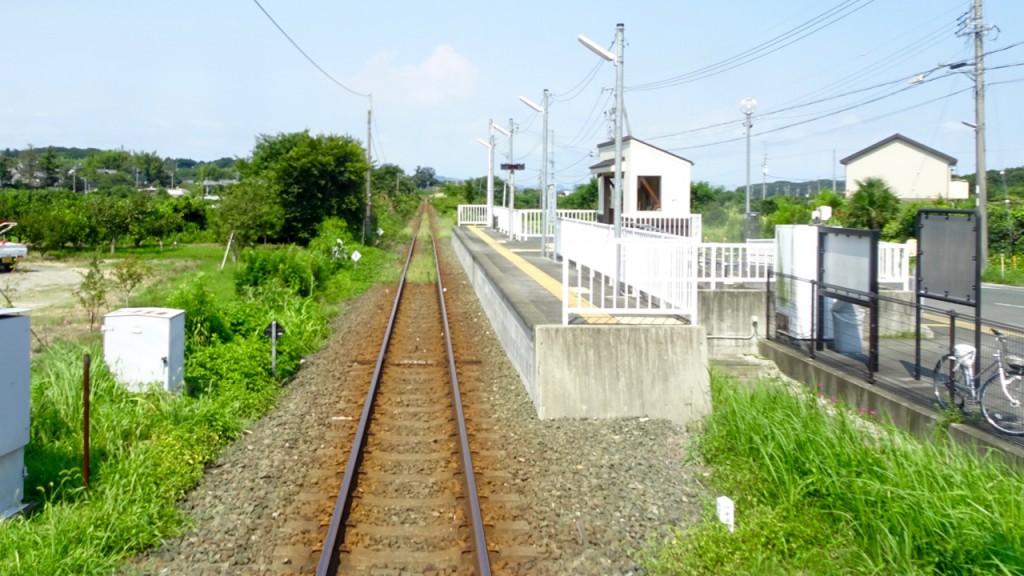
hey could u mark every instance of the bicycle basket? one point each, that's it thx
(1015, 365)
(964, 353)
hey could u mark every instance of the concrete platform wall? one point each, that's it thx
(622, 371)
(727, 317)
(515, 336)
(598, 371)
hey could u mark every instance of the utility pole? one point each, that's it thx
(490, 173)
(369, 171)
(764, 173)
(834, 170)
(511, 170)
(978, 29)
(619, 108)
(748, 106)
(981, 171)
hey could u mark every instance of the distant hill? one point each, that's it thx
(792, 189)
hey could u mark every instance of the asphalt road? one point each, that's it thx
(1003, 303)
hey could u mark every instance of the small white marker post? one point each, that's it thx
(355, 258)
(726, 512)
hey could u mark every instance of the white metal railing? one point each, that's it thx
(688, 225)
(735, 263)
(894, 263)
(472, 214)
(528, 223)
(503, 218)
(584, 215)
(648, 277)
(731, 263)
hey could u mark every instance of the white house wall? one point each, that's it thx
(909, 172)
(675, 179)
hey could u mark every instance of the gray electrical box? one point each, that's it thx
(14, 407)
(145, 346)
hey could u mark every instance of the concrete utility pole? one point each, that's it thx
(981, 172)
(764, 173)
(748, 106)
(369, 171)
(619, 109)
(490, 173)
(511, 170)
(547, 214)
(619, 112)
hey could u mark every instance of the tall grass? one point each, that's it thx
(822, 492)
(148, 450)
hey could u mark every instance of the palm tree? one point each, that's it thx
(873, 205)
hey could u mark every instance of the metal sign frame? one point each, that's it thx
(852, 294)
(922, 287)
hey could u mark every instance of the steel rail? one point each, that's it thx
(483, 564)
(331, 553)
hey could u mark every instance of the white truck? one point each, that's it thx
(10, 252)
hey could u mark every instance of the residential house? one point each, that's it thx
(912, 170)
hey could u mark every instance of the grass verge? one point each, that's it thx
(148, 450)
(824, 491)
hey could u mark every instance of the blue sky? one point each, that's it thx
(202, 79)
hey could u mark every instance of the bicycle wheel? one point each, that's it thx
(1002, 407)
(946, 366)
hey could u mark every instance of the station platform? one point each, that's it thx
(611, 367)
(594, 367)
(531, 283)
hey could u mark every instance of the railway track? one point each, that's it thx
(408, 499)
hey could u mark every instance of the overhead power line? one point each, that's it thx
(306, 56)
(816, 24)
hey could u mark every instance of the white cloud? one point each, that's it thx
(444, 77)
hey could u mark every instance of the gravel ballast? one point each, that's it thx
(590, 491)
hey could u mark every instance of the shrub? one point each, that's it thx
(204, 323)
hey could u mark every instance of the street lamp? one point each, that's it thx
(748, 106)
(1009, 217)
(489, 144)
(617, 59)
(547, 208)
(511, 173)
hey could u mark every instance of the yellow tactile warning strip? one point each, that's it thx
(547, 282)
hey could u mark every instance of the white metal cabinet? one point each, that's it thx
(142, 346)
(14, 407)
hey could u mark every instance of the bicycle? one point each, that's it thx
(999, 396)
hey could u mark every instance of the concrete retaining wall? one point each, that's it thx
(622, 371)
(860, 395)
(598, 371)
(726, 316)
(515, 336)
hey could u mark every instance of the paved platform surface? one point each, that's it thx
(531, 283)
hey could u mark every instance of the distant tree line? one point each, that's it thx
(290, 184)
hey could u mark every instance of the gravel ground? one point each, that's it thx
(591, 491)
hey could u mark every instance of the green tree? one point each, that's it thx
(704, 196)
(49, 165)
(92, 292)
(424, 177)
(151, 169)
(584, 197)
(250, 210)
(127, 275)
(785, 211)
(314, 177)
(873, 205)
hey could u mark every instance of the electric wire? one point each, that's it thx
(303, 52)
(822, 21)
